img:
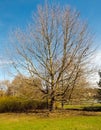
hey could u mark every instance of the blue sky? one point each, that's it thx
(14, 13)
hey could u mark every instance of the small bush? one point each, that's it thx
(14, 104)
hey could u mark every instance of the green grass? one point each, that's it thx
(32, 122)
(80, 107)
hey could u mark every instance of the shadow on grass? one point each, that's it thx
(92, 108)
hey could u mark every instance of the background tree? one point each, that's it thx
(55, 47)
(25, 87)
(3, 87)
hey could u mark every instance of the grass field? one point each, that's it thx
(33, 122)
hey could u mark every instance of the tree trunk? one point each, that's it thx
(47, 102)
(62, 104)
(51, 105)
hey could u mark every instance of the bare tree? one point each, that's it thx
(55, 47)
(25, 87)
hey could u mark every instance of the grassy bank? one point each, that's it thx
(39, 122)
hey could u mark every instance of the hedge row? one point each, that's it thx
(14, 104)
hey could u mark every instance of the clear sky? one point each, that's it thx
(14, 13)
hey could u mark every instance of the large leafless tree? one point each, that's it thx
(55, 47)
